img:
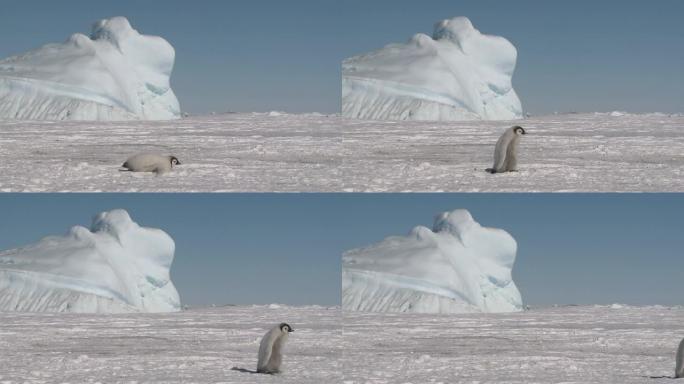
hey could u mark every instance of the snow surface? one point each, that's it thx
(458, 266)
(195, 346)
(457, 74)
(289, 153)
(588, 344)
(115, 266)
(113, 74)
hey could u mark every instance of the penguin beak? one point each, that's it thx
(291, 330)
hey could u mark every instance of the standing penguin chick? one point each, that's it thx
(679, 367)
(149, 162)
(506, 151)
(270, 349)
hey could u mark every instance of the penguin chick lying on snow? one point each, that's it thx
(506, 151)
(270, 349)
(149, 162)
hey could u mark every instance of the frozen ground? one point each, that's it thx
(556, 345)
(196, 346)
(279, 152)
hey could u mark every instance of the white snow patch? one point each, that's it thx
(195, 346)
(457, 74)
(115, 266)
(577, 344)
(458, 266)
(243, 152)
(113, 74)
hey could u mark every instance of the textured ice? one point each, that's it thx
(244, 152)
(457, 267)
(113, 74)
(115, 266)
(457, 74)
(573, 344)
(195, 346)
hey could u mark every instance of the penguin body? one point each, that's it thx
(506, 151)
(271, 348)
(149, 162)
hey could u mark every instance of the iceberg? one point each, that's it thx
(458, 266)
(115, 266)
(113, 74)
(457, 74)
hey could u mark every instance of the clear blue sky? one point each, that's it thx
(573, 248)
(263, 55)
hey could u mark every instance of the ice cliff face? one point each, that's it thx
(457, 74)
(115, 266)
(114, 74)
(457, 267)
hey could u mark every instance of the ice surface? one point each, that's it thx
(594, 344)
(314, 153)
(115, 266)
(556, 345)
(195, 346)
(457, 266)
(113, 74)
(457, 74)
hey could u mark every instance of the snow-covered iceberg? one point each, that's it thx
(113, 74)
(115, 266)
(457, 267)
(457, 74)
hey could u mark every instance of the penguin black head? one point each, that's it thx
(286, 328)
(518, 130)
(174, 160)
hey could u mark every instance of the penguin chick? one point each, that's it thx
(679, 367)
(270, 349)
(149, 162)
(506, 151)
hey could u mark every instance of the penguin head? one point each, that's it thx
(285, 328)
(174, 160)
(518, 130)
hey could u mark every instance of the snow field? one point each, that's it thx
(574, 344)
(194, 346)
(315, 153)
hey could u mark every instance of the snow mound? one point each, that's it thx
(115, 266)
(457, 267)
(457, 74)
(115, 74)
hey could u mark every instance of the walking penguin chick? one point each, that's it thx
(679, 368)
(506, 151)
(149, 162)
(271, 347)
